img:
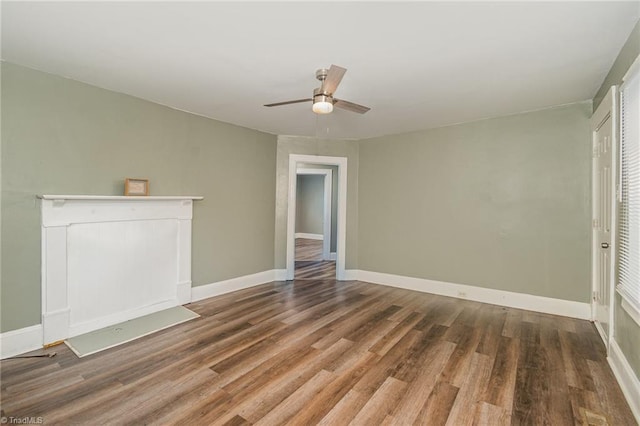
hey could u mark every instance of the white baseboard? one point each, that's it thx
(184, 292)
(227, 286)
(16, 342)
(528, 302)
(23, 340)
(55, 325)
(333, 256)
(351, 275)
(280, 275)
(309, 236)
(629, 382)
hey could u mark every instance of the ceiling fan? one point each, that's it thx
(323, 100)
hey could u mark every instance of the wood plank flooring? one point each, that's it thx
(331, 353)
(308, 249)
(309, 263)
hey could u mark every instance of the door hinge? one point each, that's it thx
(594, 223)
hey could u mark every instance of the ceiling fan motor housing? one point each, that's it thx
(320, 95)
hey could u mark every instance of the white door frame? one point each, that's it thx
(326, 206)
(608, 109)
(341, 163)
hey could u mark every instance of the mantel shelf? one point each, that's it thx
(120, 197)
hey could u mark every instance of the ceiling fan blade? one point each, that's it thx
(350, 106)
(297, 101)
(334, 76)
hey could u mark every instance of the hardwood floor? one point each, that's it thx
(309, 263)
(332, 353)
(308, 249)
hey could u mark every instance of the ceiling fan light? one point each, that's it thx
(322, 107)
(322, 104)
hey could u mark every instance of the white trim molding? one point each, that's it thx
(16, 342)
(120, 197)
(341, 163)
(351, 275)
(239, 283)
(309, 236)
(629, 382)
(510, 299)
(280, 274)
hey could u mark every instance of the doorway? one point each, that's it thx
(315, 222)
(310, 162)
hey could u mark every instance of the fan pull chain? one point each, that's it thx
(317, 131)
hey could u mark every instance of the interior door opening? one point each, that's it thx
(333, 227)
(315, 222)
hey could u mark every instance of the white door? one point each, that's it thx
(603, 125)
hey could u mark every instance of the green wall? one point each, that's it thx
(627, 331)
(627, 55)
(64, 137)
(502, 203)
(310, 204)
(334, 200)
(312, 146)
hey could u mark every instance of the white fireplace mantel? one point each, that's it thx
(108, 259)
(120, 197)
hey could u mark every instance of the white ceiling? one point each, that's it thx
(417, 65)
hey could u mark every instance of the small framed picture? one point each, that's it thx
(136, 186)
